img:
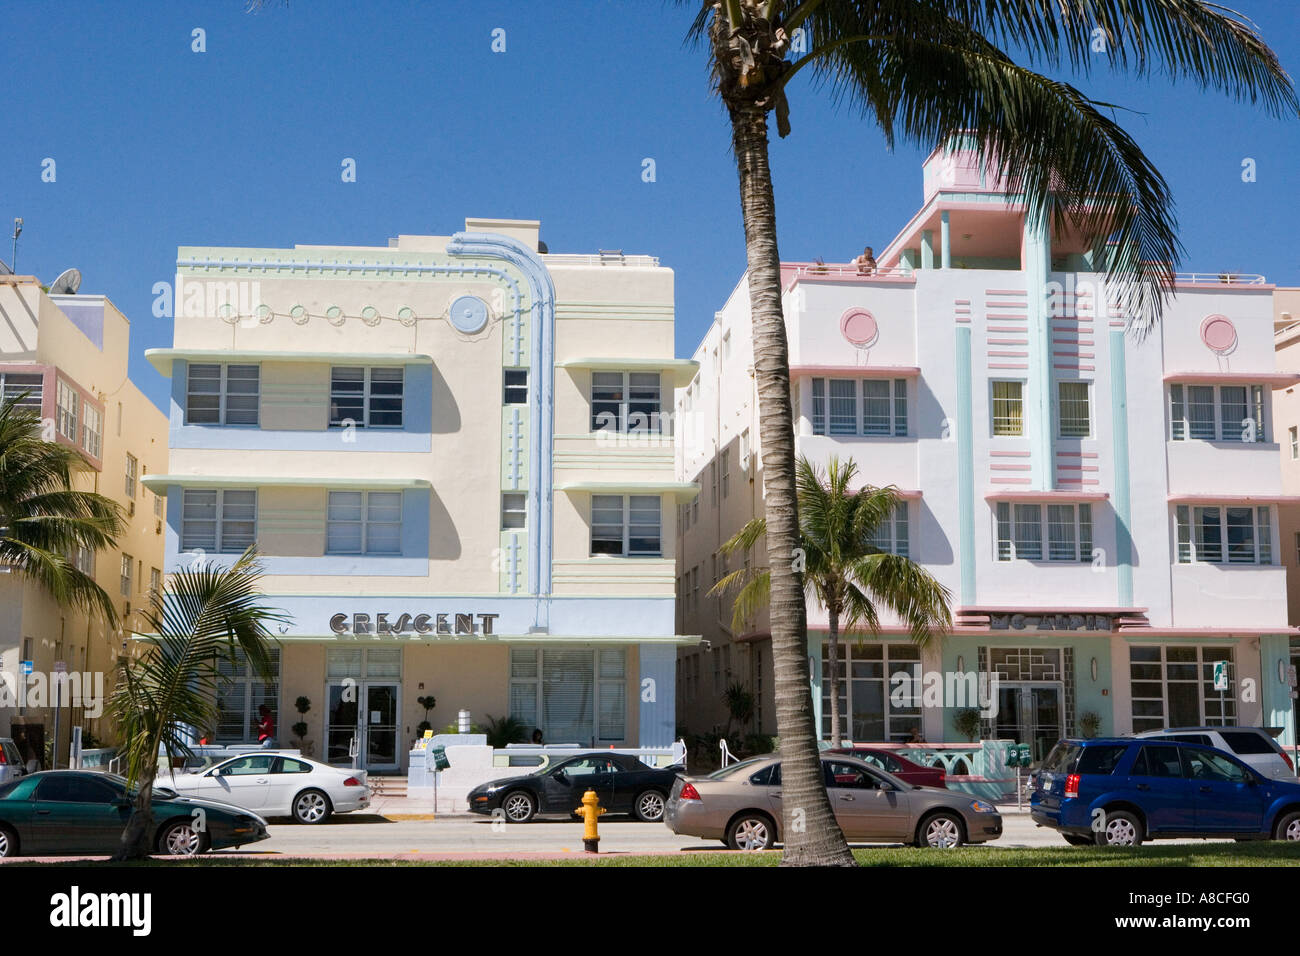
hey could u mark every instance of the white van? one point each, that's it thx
(1252, 745)
(11, 760)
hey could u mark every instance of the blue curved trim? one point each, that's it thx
(541, 386)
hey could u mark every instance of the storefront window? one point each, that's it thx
(866, 712)
(1173, 686)
(574, 695)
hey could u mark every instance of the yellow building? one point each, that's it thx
(68, 355)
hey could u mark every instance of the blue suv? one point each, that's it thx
(1119, 791)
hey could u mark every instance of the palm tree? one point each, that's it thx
(929, 69)
(203, 615)
(843, 568)
(44, 522)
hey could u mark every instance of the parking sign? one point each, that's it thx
(1220, 675)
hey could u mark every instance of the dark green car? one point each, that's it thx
(71, 812)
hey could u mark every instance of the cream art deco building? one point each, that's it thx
(451, 453)
(67, 354)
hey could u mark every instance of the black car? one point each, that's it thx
(622, 783)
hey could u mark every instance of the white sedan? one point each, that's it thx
(276, 785)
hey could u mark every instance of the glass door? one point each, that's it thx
(341, 729)
(1031, 714)
(381, 727)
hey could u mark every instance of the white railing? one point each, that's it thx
(898, 272)
(1219, 278)
(727, 756)
(574, 259)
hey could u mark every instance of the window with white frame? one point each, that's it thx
(1210, 534)
(218, 520)
(868, 709)
(24, 388)
(155, 582)
(515, 386)
(1037, 532)
(132, 472)
(1075, 419)
(364, 522)
(240, 695)
(92, 430)
(891, 535)
(1295, 442)
(367, 397)
(128, 572)
(1008, 408)
(83, 559)
(573, 695)
(870, 406)
(1216, 412)
(68, 402)
(626, 525)
(514, 511)
(627, 402)
(222, 394)
(1173, 686)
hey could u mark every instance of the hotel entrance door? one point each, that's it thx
(363, 718)
(1031, 714)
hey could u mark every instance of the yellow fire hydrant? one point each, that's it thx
(591, 811)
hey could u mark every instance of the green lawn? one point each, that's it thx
(1213, 854)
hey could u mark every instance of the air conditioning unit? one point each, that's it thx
(130, 509)
(157, 527)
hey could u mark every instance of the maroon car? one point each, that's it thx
(906, 770)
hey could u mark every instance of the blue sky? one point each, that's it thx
(157, 146)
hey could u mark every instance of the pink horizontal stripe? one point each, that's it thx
(1076, 454)
(1010, 354)
(1006, 328)
(1008, 341)
(1118, 325)
(1078, 341)
(991, 365)
(1004, 316)
(999, 466)
(963, 318)
(1064, 467)
(961, 301)
(1005, 292)
(1011, 481)
(1075, 368)
(1010, 454)
(1076, 354)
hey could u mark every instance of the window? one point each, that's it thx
(366, 397)
(695, 588)
(514, 511)
(1173, 686)
(573, 695)
(891, 535)
(25, 388)
(1215, 535)
(132, 469)
(68, 401)
(626, 525)
(222, 394)
(218, 521)
(1022, 530)
(239, 695)
(1295, 443)
(873, 406)
(364, 522)
(516, 386)
(128, 566)
(155, 582)
(627, 402)
(713, 483)
(157, 506)
(92, 430)
(866, 709)
(1217, 413)
(726, 472)
(1008, 408)
(72, 788)
(1075, 419)
(83, 559)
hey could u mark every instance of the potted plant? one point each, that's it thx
(428, 703)
(1089, 724)
(967, 723)
(300, 729)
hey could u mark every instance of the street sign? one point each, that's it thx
(26, 668)
(1220, 675)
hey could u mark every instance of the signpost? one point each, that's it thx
(1295, 715)
(1221, 685)
(60, 668)
(1019, 756)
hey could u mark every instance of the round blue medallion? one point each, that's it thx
(468, 314)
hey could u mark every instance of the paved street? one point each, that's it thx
(372, 835)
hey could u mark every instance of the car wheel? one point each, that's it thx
(1121, 829)
(8, 842)
(1288, 828)
(1075, 840)
(519, 806)
(751, 831)
(942, 831)
(182, 839)
(650, 806)
(311, 806)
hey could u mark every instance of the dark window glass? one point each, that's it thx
(9, 787)
(1190, 738)
(1244, 742)
(1062, 758)
(1161, 761)
(1101, 759)
(1208, 765)
(764, 777)
(74, 789)
(516, 386)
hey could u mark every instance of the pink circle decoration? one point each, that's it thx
(1219, 334)
(859, 328)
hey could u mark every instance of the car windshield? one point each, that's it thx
(735, 768)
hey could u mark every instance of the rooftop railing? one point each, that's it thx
(602, 259)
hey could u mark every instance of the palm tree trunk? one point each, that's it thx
(833, 658)
(135, 842)
(812, 836)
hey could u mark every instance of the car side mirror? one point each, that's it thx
(561, 775)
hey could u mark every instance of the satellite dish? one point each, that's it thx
(68, 282)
